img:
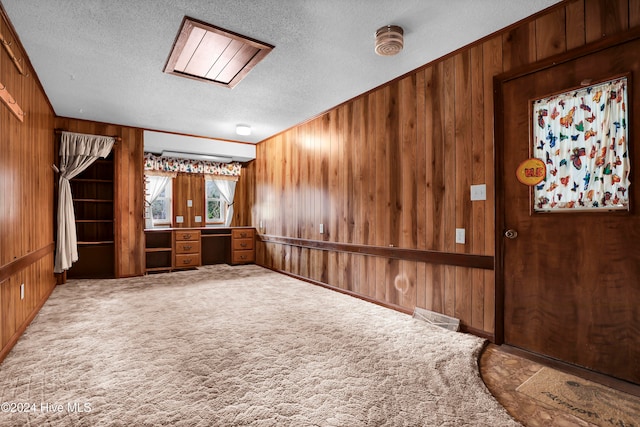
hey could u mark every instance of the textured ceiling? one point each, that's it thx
(103, 60)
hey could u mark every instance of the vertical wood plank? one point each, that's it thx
(463, 173)
(519, 46)
(420, 172)
(334, 196)
(605, 17)
(492, 65)
(382, 189)
(634, 14)
(575, 24)
(448, 244)
(550, 34)
(478, 227)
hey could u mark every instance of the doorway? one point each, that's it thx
(570, 280)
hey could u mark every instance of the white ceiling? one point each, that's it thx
(103, 60)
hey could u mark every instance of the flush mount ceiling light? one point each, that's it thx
(389, 40)
(243, 130)
(212, 54)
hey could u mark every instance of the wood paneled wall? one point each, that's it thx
(393, 168)
(128, 191)
(189, 186)
(26, 195)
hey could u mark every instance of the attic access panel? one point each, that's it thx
(212, 54)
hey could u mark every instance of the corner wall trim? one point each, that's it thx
(484, 262)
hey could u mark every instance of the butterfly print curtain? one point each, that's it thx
(582, 137)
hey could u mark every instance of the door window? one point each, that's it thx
(582, 137)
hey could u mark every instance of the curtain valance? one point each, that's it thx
(170, 164)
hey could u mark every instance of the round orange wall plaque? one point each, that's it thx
(531, 172)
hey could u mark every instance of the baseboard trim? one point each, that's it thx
(463, 328)
(18, 333)
(343, 291)
(477, 332)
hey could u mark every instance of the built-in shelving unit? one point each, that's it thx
(158, 250)
(93, 203)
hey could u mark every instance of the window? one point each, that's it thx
(160, 187)
(216, 206)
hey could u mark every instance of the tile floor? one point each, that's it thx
(503, 372)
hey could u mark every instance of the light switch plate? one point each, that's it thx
(460, 236)
(198, 218)
(179, 219)
(321, 228)
(479, 192)
(189, 203)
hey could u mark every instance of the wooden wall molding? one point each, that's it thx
(432, 257)
(21, 263)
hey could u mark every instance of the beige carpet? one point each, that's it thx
(235, 346)
(584, 399)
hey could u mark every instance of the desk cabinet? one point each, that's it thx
(243, 246)
(187, 249)
(170, 249)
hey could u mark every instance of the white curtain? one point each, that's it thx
(77, 152)
(227, 190)
(156, 183)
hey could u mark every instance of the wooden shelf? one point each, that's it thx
(158, 250)
(103, 181)
(158, 269)
(104, 242)
(93, 220)
(216, 235)
(93, 200)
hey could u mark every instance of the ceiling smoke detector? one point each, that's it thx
(389, 40)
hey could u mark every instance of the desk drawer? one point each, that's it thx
(242, 233)
(242, 257)
(188, 235)
(242, 244)
(187, 260)
(187, 247)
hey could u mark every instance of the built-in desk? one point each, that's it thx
(169, 249)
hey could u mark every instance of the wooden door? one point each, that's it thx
(571, 280)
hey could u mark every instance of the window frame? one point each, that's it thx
(168, 204)
(223, 205)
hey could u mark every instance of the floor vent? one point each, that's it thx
(437, 319)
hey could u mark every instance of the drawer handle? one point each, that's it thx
(243, 257)
(243, 245)
(187, 236)
(186, 247)
(186, 261)
(243, 234)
